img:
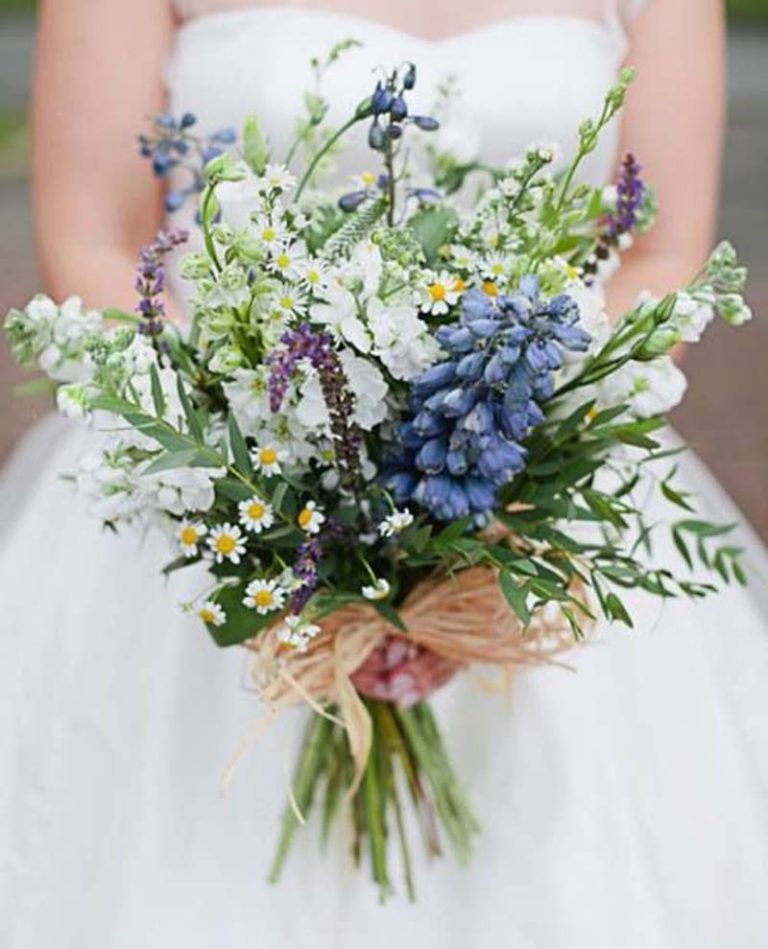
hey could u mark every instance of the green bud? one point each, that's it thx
(733, 309)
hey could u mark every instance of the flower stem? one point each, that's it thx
(322, 152)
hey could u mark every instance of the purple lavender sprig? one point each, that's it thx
(630, 190)
(150, 280)
(308, 556)
(306, 344)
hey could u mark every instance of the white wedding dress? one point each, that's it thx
(624, 806)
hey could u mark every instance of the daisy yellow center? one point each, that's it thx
(571, 272)
(283, 260)
(286, 303)
(490, 288)
(458, 285)
(436, 291)
(256, 510)
(497, 269)
(268, 456)
(368, 178)
(225, 544)
(268, 234)
(313, 276)
(263, 598)
(206, 615)
(188, 536)
(305, 517)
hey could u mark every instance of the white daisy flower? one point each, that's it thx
(315, 274)
(212, 614)
(378, 590)
(495, 267)
(270, 233)
(297, 633)
(279, 177)
(287, 260)
(226, 543)
(264, 596)
(440, 292)
(289, 302)
(255, 514)
(365, 180)
(395, 523)
(189, 535)
(310, 518)
(267, 459)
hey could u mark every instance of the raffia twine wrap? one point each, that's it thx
(462, 617)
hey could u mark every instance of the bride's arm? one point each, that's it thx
(98, 76)
(673, 123)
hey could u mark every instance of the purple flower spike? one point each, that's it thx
(150, 279)
(631, 189)
(317, 348)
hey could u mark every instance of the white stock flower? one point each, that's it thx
(249, 398)
(369, 388)
(395, 523)
(340, 314)
(648, 388)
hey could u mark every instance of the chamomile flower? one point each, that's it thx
(462, 258)
(256, 515)
(310, 518)
(378, 590)
(289, 302)
(264, 596)
(495, 267)
(365, 180)
(279, 178)
(297, 633)
(267, 459)
(439, 293)
(315, 275)
(395, 523)
(287, 260)
(271, 234)
(212, 614)
(189, 535)
(226, 543)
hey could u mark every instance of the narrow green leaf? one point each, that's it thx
(158, 397)
(255, 147)
(193, 422)
(516, 595)
(239, 448)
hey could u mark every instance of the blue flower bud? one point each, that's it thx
(458, 402)
(483, 329)
(457, 340)
(475, 305)
(479, 420)
(381, 99)
(428, 424)
(224, 136)
(426, 123)
(529, 286)
(480, 494)
(188, 120)
(457, 463)
(173, 201)
(394, 131)
(470, 367)
(377, 139)
(352, 201)
(398, 109)
(495, 370)
(434, 378)
(431, 457)
(409, 79)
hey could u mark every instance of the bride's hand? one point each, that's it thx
(401, 672)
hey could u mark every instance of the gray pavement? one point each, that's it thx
(726, 411)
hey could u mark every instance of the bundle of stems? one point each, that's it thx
(408, 762)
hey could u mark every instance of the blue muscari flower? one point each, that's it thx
(470, 414)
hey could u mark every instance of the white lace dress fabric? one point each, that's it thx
(622, 806)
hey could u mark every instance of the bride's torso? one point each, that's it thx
(520, 78)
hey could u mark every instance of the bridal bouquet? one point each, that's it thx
(399, 432)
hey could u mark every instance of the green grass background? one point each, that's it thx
(755, 9)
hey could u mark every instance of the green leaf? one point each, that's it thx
(390, 614)
(255, 147)
(239, 448)
(676, 497)
(434, 227)
(516, 596)
(616, 610)
(158, 398)
(120, 316)
(193, 422)
(187, 458)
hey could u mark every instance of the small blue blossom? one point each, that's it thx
(470, 414)
(171, 146)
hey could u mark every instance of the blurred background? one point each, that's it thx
(725, 416)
